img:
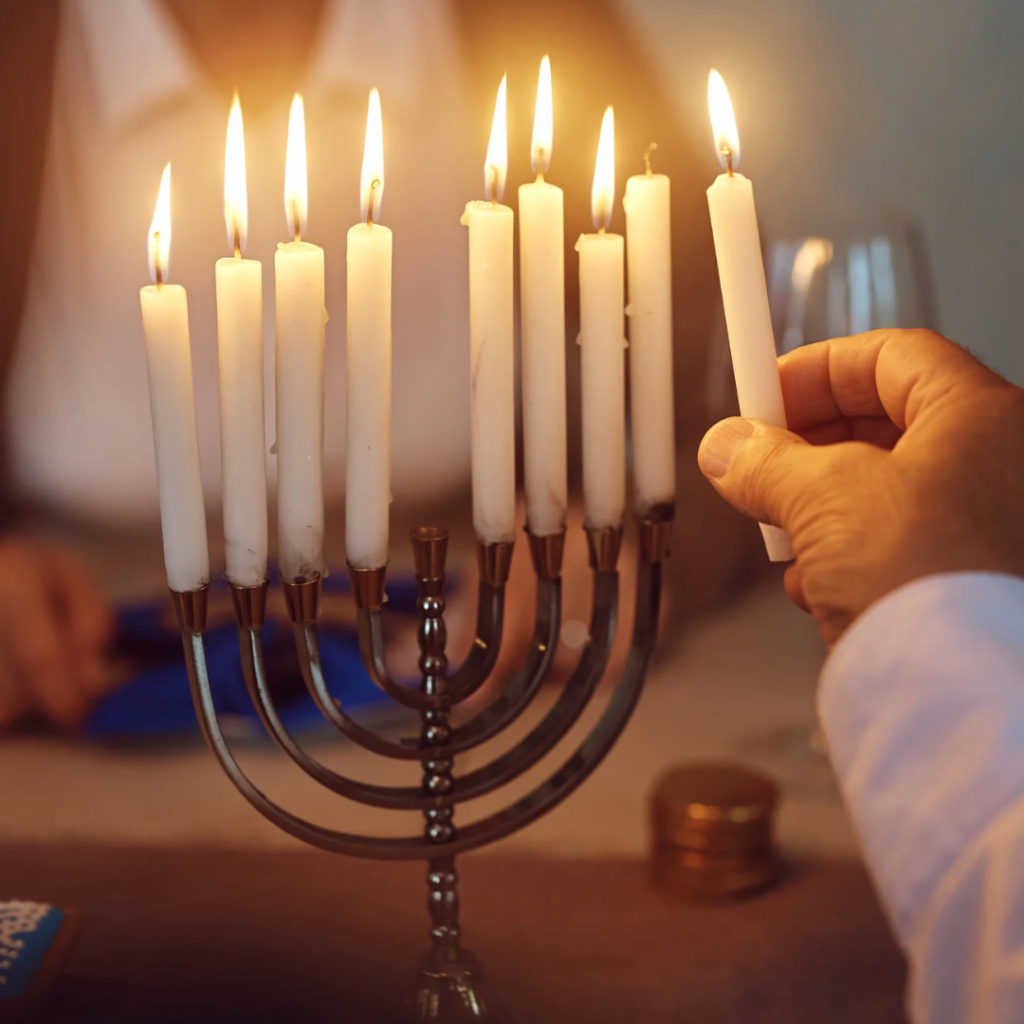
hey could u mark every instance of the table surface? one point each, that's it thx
(190, 899)
(187, 935)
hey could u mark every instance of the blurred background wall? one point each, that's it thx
(880, 111)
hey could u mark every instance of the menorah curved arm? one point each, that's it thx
(578, 768)
(380, 848)
(525, 684)
(543, 738)
(402, 798)
(522, 687)
(308, 648)
(526, 810)
(565, 712)
(478, 665)
(488, 723)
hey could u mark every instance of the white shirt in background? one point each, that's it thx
(127, 99)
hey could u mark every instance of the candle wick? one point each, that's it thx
(600, 230)
(374, 185)
(159, 266)
(238, 242)
(727, 153)
(492, 184)
(647, 158)
(540, 176)
(295, 221)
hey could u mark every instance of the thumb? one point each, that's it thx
(762, 471)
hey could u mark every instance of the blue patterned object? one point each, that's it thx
(27, 931)
(156, 700)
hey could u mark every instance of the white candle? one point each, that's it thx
(492, 360)
(368, 467)
(299, 358)
(744, 292)
(649, 272)
(602, 359)
(240, 359)
(173, 405)
(542, 297)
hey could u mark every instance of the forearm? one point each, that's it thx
(922, 703)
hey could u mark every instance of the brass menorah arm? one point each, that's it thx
(544, 736)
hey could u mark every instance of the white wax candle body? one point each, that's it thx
(242, 430)
(299, 378)
(368, 466)
(652, 408)
(492, 370)
(603, 378)
(747, 316)
(175, 437)
(542, 297)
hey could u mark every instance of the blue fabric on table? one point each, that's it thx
(156, 700)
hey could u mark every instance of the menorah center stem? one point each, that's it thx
(442, 878)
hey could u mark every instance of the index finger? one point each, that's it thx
(893, 373)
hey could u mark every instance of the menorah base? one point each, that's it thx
(454, 992)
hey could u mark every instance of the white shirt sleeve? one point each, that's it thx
(922, 704)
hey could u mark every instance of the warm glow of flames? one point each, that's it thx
(160, 231)
(496, 165)
(295, 189)
(723, 121)
(543, 121)
(602, 195)
(811, 256)
(371, 181)
(236, 203)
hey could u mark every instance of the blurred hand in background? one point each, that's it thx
(55, 627)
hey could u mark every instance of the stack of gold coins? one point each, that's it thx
(711, 829)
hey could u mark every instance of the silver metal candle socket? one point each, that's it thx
(449, 986)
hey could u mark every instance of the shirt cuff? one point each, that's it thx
(922, 705)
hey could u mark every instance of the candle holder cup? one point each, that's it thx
(449, 984)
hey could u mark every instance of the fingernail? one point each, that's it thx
(721, 444)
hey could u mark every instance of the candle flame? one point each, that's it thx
(543, 121)
(602, 195)
(496, 164)
(295, 188)
(723, 122)
(160, 231)
(371, 181)
(236, 203)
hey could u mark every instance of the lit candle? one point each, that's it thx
(744, 292)
(649, 274)
(542, 294)
(240, 358)
(299, 360)
(492, 362)
(602, 338)
(368, 469)
(173, 405)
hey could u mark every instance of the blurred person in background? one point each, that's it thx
(96, 97)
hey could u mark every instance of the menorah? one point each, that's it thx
(449, 978)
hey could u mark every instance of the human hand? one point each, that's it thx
(904, 458)
(54, 630)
